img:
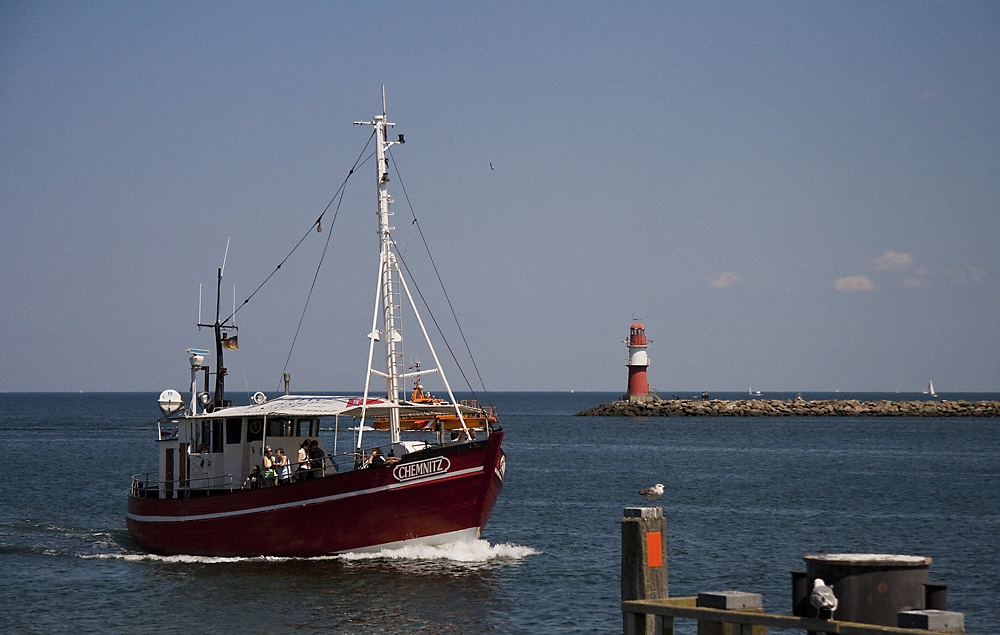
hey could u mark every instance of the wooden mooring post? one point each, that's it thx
(647, 608)
(644, 568)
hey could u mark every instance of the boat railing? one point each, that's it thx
(166, 429)
(488, 411)
(149, 486)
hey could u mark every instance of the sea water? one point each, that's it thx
(745, 500)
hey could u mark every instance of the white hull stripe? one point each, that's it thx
(300, 503)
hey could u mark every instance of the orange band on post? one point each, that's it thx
(654, 549)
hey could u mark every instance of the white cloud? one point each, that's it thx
(853, 283)
(892, 261)
(725, 280)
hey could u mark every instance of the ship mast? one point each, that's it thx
(388, 266)
(387, 294)
(391, 286)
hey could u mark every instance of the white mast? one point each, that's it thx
(387, 295)
(386, 288)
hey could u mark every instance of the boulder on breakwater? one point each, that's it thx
(793, 408)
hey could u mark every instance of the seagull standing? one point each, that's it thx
(823, 598)
(652, 493)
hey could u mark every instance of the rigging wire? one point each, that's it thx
(243, 369)
(341, 191)
(438, 326)
(311, 287)
(316, 223)
(443, 289)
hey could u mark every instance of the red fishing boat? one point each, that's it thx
(221, 491)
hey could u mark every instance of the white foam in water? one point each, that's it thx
(475, 551)
(462, 551)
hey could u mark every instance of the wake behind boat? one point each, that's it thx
(221, 491)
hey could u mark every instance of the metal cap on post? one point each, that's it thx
(644, 567)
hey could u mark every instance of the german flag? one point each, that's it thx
(230, 342)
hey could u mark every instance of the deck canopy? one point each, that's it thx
(327, 406)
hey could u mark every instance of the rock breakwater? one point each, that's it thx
(793, 408)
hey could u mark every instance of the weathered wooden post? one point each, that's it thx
(644, 568)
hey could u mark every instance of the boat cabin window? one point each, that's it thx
(307, 427)
(234, 431)
(207, 435)
(217, 430)
(279, 427)
(255, 429)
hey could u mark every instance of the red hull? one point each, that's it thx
(439, 493)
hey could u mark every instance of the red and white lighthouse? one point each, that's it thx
(638, 361)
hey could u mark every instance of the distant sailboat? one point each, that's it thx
(930, 389)
(750, 390)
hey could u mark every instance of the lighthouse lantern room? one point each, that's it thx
(638, 361)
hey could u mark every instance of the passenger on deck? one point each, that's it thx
(302, 471)
(253, 481)
(316, 457)
(283, 467)
(270, 474)
(376, 459)
(457, 435)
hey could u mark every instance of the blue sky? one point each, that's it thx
(788, 195)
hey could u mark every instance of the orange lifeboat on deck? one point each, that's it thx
(432, 422)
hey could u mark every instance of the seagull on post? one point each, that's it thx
(652, 493)
(823, 598)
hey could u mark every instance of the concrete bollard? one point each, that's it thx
(644, 568)
(731, 601)
(932, 620)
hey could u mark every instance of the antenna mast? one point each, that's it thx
(219, 399)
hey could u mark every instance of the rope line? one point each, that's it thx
(341, 191)
(306, 235)
(436, 325)
(311, 287)
(443, 289)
